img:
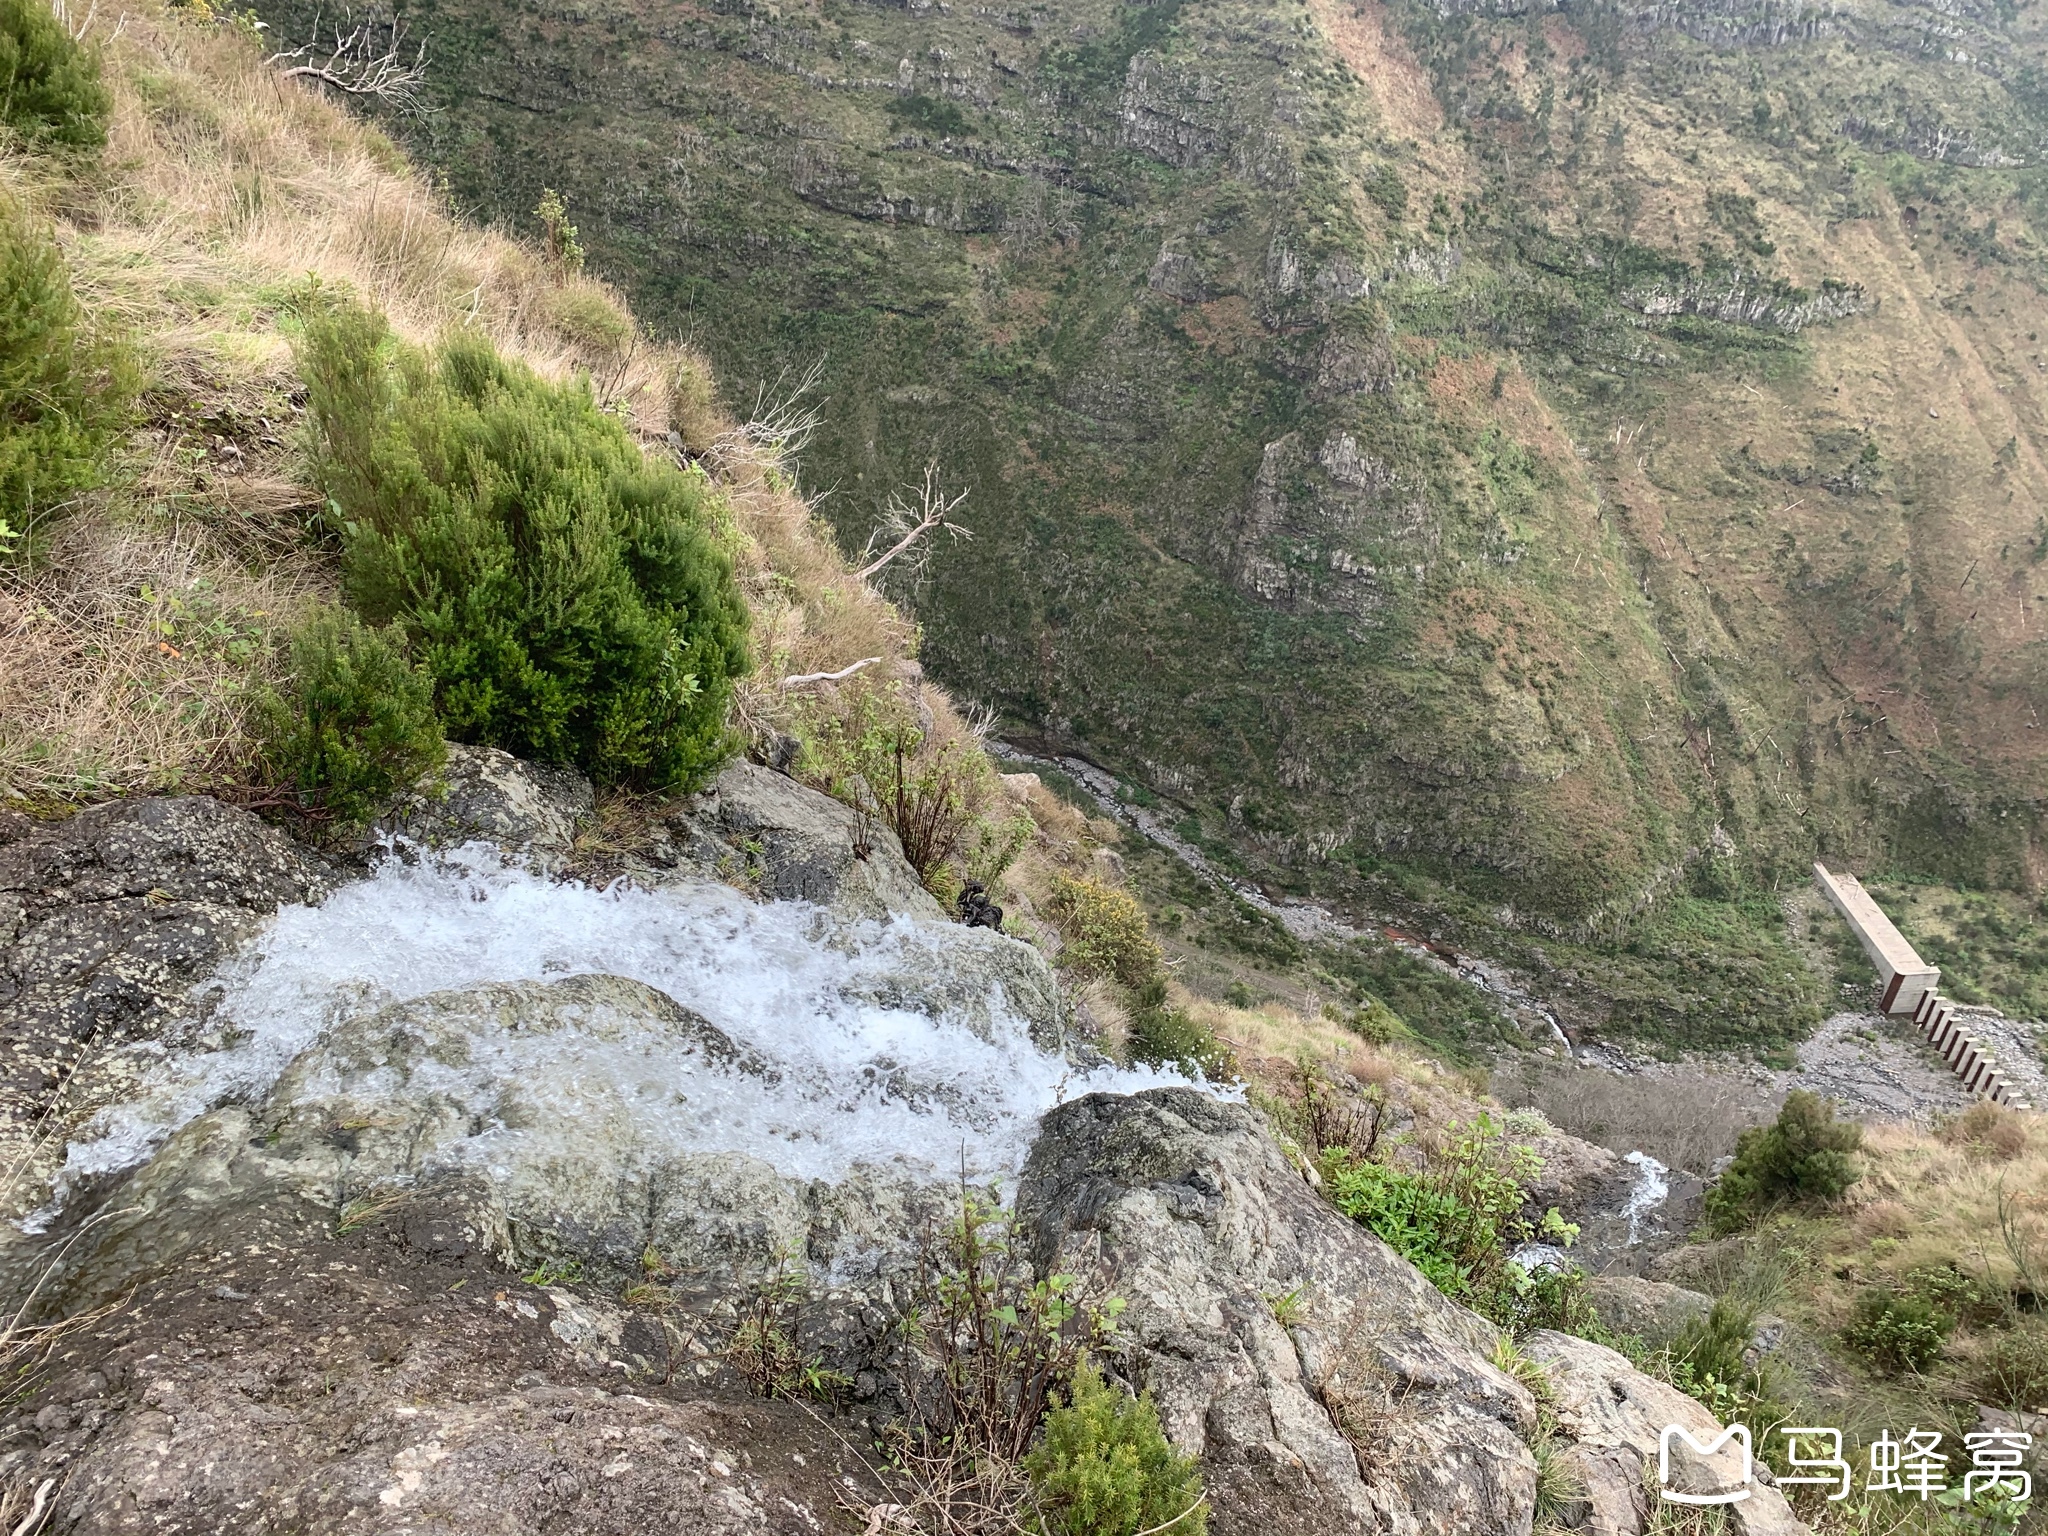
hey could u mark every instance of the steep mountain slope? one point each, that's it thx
(1542, 449)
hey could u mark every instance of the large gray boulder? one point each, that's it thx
(1615, 1418)
(1327, 1386)
(787, 842)
(391, 1380)
(107, 919)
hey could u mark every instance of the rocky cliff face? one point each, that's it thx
(1526, 445)
(299, 1311)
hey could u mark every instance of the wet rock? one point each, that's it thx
(107, 919)
(550, 1159)
(483, 794)
(1374, 1407)
(1615, 1417)
(763, 830)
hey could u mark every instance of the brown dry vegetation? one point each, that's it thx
(134, 639)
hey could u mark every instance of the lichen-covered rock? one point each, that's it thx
(1327, 1386)
(1651, 1310)
(107, 919)
(763, 830)
(389, 1379)
(1615, 1417)
(483, 794)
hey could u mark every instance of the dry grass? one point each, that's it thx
(1683, 1125)
(223, 190)
(1931, 1200)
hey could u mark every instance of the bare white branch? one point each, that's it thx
(828, 677)
(361, 59)
(932, 511)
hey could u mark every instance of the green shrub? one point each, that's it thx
(2012, 1368)
(50, 90)
(568, 597)
(356, 724)
(1806, 1156)
(1104, 929)
(63, 391)
(1162, 1035)
(1456, 1219)
(1103, 1468)
(869, 749)
(1899, 1333)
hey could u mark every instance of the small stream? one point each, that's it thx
(856, 1071)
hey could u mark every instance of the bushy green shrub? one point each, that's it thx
(1104, 929)
(1806, 1156)
(356, 723)
(568, 597)
(1458, 1216)
(50, 90)
(1899, 1333)
(63, 390)
(1103, 1467)
(1162, 1035)
(2012, 1367)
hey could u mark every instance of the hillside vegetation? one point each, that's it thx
(1529, 457)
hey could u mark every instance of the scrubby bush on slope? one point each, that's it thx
(357, 723)
(1103, 1468)
(1806, 1156)
(61, 389)
(50, 90)
(568, 597)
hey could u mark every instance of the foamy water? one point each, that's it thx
(854, 1081)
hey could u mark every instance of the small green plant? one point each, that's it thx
(50, 90)
(355, 724)
(870, 751)
(1163, 1035)
(558, 235)
(555, 1272)
(1457, 1217)
(766, 1350)
(568, 597)
(64, 391)
(1898, 1333)
(1377, 1024)
(995, 1345)
(1104, 1468)
(1806, 1156)
(1286, 1306)
(2012, 1367)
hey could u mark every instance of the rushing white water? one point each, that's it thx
(1649, 1192)
(854, 1081)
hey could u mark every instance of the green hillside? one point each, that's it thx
(1483, 452)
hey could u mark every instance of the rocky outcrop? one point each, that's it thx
(1615, 1417)
(107, 919)
(483, 794)
(764, 831)
(504, 1105)
(1327, 1386)
(393, 1379)
(1650, 1310)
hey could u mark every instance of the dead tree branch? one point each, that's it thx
(932, 511)
(362, 59)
